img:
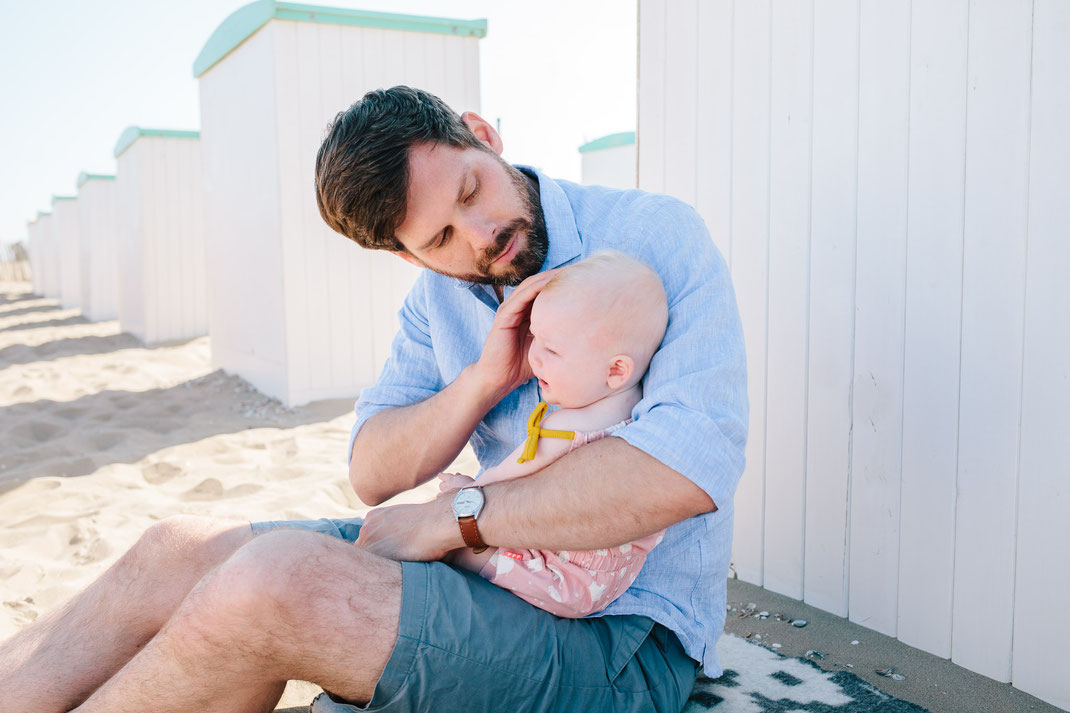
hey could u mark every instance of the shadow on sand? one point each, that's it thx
(72, 438)
(71, 346)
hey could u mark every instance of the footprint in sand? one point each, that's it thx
(71, 413)
(106, 440)
(24, 610)
(40, 431)
(283, 449)
(89, 546)
(207, 489)
(156, 473)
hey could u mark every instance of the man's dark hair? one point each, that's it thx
(362, 167)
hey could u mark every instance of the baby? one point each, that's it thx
(594, 328)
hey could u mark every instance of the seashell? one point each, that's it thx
(798, 623)
(814, 654)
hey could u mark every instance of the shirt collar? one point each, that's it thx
(563, 236)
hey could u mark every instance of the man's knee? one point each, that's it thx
(185, 546)
(275, 577)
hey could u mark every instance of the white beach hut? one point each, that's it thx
(98, 235)
(609, 161)
(33, 242)
(65, 242)
(295, 308)
(888, 181)
(160, 235)
(46, 270)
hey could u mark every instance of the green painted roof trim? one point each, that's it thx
(133, 133)
(624, 138)
(245, 21)
(42, 214)
(63, 198)
(83, 177)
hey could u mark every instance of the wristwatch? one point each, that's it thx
(467, 504)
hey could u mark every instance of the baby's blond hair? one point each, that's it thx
(628, 297)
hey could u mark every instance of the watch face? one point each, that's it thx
(467, 502)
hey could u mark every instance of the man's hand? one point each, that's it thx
(454, 481)
(503, 364)
(415, 533)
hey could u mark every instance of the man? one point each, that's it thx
(210, 615)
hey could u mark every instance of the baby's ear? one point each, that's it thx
(621, 369)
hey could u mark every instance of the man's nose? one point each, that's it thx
(482, 234)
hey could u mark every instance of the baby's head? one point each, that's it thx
(595, 327)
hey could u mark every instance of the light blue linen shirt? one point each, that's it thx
(693, 415)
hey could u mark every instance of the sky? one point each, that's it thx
(74, 74)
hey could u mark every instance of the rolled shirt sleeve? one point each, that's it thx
(411, 373)
(694, 413)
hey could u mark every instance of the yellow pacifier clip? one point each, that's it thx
(534, 432)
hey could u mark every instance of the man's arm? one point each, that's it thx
(626, 492)
(400, 448)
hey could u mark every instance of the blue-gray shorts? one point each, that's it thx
(465, 644)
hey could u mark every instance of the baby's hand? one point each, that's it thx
(453, 481)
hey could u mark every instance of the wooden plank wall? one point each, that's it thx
(36, 254)
(173, 235)
(161, 240)
(97, 231)
(888, 182)
(130, 247)
(65, 239)
(247, 327)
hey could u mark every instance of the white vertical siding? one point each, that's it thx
(791, 45)
(243, 177)
(130, 248)
(993, 293)
(51, 258)
(933, 323)
(325, 329)
(65, 240)
(749, 208)
(36, 250)
(893, 201)
(161, 240)
(1042, 578)
(833, 221)
(98, 236)
(880, 259)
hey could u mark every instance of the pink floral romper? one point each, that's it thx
(571, 583)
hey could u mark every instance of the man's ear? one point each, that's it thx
(411, 259)
(620, 371)
(483, 130)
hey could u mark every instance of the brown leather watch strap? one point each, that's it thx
(470, 533)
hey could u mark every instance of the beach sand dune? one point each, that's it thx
(101, 436)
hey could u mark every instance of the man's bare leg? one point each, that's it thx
(56, 663)
(288, 605)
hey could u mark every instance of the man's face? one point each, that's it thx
(472, 216)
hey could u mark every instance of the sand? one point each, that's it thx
(101, 436)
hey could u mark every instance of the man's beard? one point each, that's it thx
(531, 256)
